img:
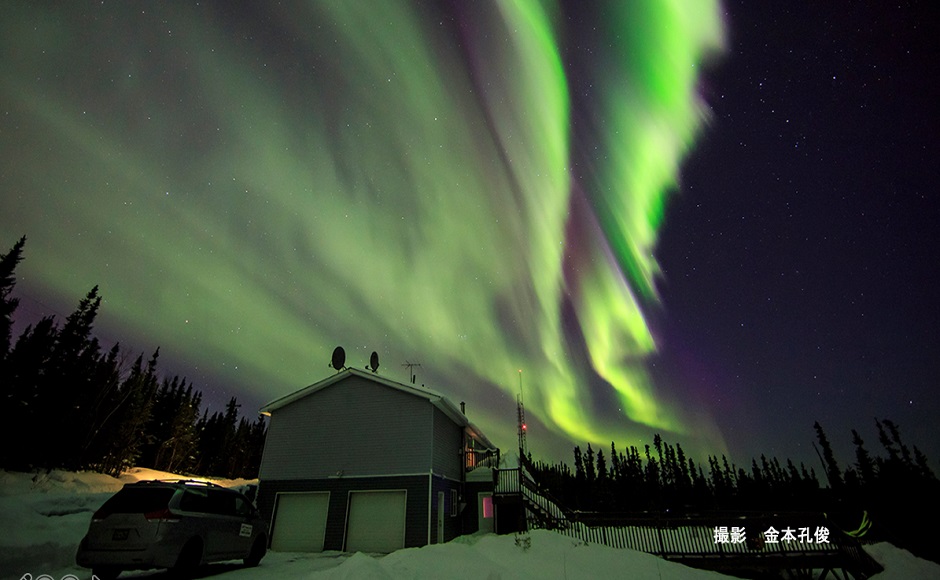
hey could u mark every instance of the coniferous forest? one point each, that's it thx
(70, 404)
(884, 497)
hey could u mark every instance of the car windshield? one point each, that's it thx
(135, 500)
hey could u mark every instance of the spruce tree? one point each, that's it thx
(614, 462)
(685, 481)
(921, 461)
(25, 370)
(589, 466)
(886, 443)
(579, 476)
(832, 467)
(8, 304)
(256, 447)
(652, 476)
(896, 437)
(602, 473)
(793, 476)
(100, 408)
(863, 461)
(67, 385)
(126, 433)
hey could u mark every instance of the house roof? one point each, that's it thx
(435, 398)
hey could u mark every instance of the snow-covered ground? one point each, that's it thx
(43, 517)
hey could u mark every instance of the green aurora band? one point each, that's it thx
(352, 173)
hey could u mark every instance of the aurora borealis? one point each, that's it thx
(478, 187)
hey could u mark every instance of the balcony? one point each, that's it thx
(474, 458)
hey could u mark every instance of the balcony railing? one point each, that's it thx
(474, 458)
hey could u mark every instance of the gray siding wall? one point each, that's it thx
(453, 525)
(416, 510)
(356, 427)
(448, 446)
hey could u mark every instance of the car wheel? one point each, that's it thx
(258, 550)
(189, 559)
(106, 573)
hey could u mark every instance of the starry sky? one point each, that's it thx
(713, 221)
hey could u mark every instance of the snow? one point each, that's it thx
(900, 564)
(45, 515)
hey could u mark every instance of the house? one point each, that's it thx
(358, 462)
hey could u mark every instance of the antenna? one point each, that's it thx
(411, 366)
(339, 358)
(520, 416)
(520, 385)
(373, 362)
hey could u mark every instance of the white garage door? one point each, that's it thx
(376, 521)
(300, 521)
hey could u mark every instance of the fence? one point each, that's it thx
(699, 540)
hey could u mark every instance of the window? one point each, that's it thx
(132, 500)
(242, 507)
(487, 506)
(194, 500)
(453, 502)
(221, 502)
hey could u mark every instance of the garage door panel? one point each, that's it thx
(376, 521)
(300, 522)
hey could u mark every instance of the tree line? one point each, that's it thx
(70, 404)
(887, 497)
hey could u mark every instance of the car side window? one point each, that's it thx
(195, 501)
(222, 502)
(242, 507)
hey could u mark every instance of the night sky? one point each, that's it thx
(717, 222)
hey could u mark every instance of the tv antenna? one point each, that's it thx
(411, 366)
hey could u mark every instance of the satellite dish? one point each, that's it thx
(339, 358)
(374, 361)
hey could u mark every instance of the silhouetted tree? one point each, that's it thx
(24, 378)
(887, 443)
(829, 459)
(579, 465)
(56, 377)
(615, 468)
(896, 438)
(8, 304)
(921, 462)
(589, 470)
(602, 474)
(863, 462)
(173, 427)
(685, 481)
(126, 433)
(67, 385)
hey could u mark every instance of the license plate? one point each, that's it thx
(119, 535)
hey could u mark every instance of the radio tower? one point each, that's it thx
(520, 415)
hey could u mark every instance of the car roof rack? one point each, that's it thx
(193, 482)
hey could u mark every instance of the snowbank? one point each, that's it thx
(900, 564)
(539, 554)
(44, 516)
